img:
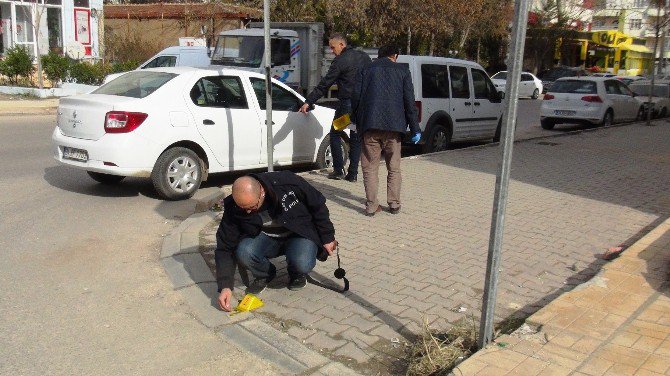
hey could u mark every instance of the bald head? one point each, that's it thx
(248, 193)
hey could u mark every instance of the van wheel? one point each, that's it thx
(536, 94)
(177, 173)
(324, 157)
(547, 124)
(438, 139)
(105, 178)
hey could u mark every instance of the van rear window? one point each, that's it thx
(137, 84)
(574, 86)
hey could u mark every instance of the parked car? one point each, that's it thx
(630, 79)
(175, 56)
(456, 100)
(590, 100)
(549, 76)
(178, 125)
(660, 97)
(603, 74)
(529, 85)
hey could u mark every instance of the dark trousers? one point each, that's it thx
(336, 143)
(254, 254)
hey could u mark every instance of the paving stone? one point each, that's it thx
(352, 351)
(321, 340)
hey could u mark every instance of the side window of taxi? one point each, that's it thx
(219, 91)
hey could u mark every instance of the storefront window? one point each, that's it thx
(54, 29)
(24, 26)
(53, 2)
(81, 3)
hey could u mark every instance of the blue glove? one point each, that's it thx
(416, 138)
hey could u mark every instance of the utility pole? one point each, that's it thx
(653, 70)
(510, 105)
(268, 85)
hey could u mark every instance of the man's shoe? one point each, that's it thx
(297, 283)
(351, 178)
(336, 175)
(371, 214)
(259, 284)
(395, 210)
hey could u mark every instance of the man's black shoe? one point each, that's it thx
(395, 210)
(259, 284)
(351, 178)
(336, 175)
(297, 283)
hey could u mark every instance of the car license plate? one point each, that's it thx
(565, 112)
(75, 154)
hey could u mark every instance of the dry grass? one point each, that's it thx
(437, 353)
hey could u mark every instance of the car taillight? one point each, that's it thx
(418, 108)
(548, 97)
(123, 122)
(592, 99)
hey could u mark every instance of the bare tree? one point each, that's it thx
(34, 12)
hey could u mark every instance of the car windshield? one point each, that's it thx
(138, 84)
(239, 51)
(643, 89)
(500, 76)
(574, 86)
(555, 74)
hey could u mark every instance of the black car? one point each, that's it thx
(549, 76)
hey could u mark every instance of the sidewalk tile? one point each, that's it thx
(529, 367)
(657, 364)
(596, 366)
(586, 344)
(626, 339)
(664, 349)
(620, 370)
(647, 344)
(556, 370)
(622, 355)
(470, 367)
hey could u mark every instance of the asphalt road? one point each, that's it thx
(83, 292)
(82, 289)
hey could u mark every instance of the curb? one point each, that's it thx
(181, 259)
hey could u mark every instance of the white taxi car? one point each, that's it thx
(177, 125)
(590, 100)
(529, 85)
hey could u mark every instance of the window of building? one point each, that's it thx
(640, 3)
(81, 4)
(635, 24)
(55, 29)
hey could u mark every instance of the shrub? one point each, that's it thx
(55, 67)
(17, 63)
(86, 73)
(124, 66)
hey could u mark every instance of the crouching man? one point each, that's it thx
(268, 215)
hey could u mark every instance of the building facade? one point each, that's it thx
(62, 26)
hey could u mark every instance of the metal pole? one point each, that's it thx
(268, 84)
(653, 61)
(511, 101)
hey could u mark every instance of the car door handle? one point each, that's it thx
(208, 122)
(477, 103)
(468, 103)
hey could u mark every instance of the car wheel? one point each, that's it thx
(177, 173)
(641, 115)
(324, 157)
(105, 178)
(663, 113)
(438, 139)
(536, 94)
(547, 124)
(607, 119)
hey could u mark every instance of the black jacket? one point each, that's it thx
(383, 98)
(343, 70)
(299, 206)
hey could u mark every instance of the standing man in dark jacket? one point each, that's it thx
(383, 105)
(269, 215)
(342, 71)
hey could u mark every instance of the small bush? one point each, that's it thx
(88, 74)
(55, 67)
(124, 66)
(17, 63)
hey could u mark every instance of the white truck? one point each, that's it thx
(298, 55)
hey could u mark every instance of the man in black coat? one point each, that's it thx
(342, 71)
(269, 215)
(383, 105)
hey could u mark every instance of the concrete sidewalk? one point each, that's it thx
(618, 323)
(570, 199)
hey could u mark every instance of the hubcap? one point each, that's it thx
(328, 157)
(183, 174)
(440, 141)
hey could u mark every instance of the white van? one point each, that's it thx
(175, 56)
(456, 101)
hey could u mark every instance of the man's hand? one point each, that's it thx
(330, 247)
(304, 109)
(224, 299)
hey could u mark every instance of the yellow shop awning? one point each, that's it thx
(635, 48)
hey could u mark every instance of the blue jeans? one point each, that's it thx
(336, 143)
(255, 254)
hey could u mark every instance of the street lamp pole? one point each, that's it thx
(268, 84)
